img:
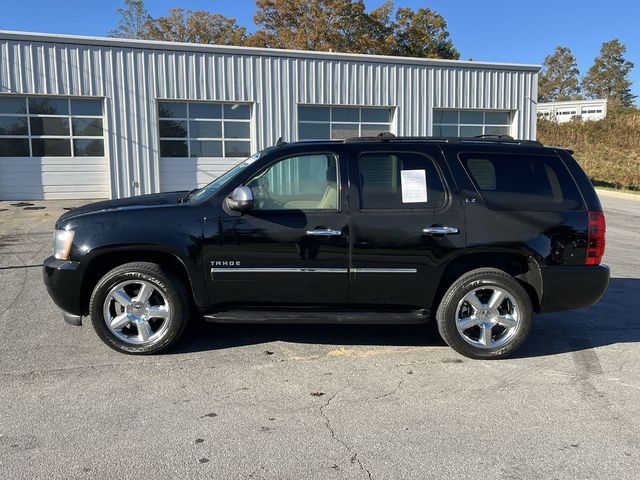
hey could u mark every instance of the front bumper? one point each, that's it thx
(64, 284)
(575, 286)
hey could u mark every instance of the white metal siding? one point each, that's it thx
(52, 178)
(132, 78)
(187, 173)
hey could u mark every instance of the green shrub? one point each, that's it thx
(608, 150)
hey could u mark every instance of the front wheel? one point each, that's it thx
(485, 314)
(139, 308)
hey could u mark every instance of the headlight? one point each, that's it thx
(62, 240)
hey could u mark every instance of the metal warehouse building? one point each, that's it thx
(86, 117)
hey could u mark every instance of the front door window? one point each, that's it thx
(301, 182)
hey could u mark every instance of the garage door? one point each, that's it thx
(199, 141)
(471, 123)
(52, 148)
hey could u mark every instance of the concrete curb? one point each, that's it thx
(614, 193)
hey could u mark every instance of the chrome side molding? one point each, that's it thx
(278, 270)
(312, 270)
(384, 270)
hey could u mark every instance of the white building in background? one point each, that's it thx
(573, 110)
(89, 117)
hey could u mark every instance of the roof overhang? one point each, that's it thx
(254, 51)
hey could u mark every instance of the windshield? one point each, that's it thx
(212, 187)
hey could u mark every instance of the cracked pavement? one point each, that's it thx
(325, 402)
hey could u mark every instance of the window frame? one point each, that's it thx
(482, 125)
(331, 122)
(222, 120)
(432, 159)
(339, 164)
(69, 116)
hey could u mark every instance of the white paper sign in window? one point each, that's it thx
(414, 186)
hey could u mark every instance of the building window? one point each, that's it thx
(199, 129)
(470, 123)
(50, 127)
(336, 123)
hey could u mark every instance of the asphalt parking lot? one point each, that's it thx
(325, 402)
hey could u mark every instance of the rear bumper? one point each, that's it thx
(64, 284)
(575, 286)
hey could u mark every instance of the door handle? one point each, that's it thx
(440, 230)
(324, 232)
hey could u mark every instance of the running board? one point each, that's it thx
(384, 317)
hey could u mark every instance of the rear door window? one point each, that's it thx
(510, 181)
(399, 180)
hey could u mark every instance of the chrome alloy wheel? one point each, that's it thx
(137, 312)
(487, 317)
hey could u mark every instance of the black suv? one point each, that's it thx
(476, 232)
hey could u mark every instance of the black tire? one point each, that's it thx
(447, 313)
(165, 283)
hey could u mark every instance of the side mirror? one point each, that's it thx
(240, 200)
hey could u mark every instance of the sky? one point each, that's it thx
(519, 31)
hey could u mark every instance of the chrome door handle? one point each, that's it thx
(440, 230)
(324, 232)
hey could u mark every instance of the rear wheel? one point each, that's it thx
(139, 308)
(485, 314)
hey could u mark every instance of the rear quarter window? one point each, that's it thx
(511, 181)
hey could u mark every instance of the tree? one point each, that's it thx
(133, 19)
(345, 26)
(608, 76)
(559, 79)
(324, 25)
(375, 35)
(198, 26)
(422, 33)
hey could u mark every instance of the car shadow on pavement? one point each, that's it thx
(610, 321)
(202, 336)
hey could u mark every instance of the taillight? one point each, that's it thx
(595, 238)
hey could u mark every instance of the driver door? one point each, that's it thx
(292, 248)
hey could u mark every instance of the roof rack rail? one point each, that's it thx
(495, 135)
(389, 137)
(510, 138)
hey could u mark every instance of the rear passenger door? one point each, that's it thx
(399, 194)
(527, 202)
